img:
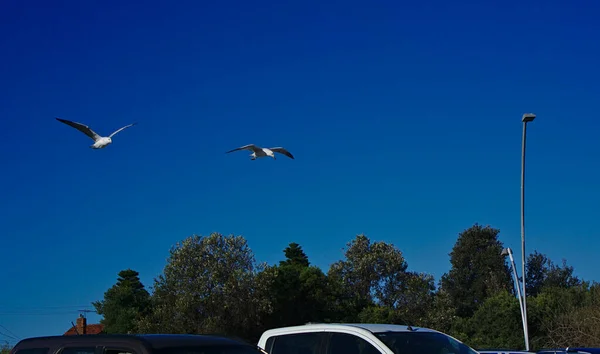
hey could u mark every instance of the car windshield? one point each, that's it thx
(423, 343)
(212, 349)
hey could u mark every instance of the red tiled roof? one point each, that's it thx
(89, 329)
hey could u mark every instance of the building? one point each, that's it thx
(81, 327)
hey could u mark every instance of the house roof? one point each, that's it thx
(89, 329)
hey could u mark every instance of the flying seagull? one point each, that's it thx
(258, 151)
(99, 141)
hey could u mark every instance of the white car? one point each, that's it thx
(360, 338)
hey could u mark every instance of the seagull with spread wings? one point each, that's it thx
(99, 141)
(258, 151)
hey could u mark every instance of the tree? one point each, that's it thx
(478, 271)
(210, 285)
(569, 316)
(5, 348)
(373, 283)
(295, 256)
(411, 305)
(495, 324)
(124, 304)
(299, 292)
(442, 315)
(542, 272)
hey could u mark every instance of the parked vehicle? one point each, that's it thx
(569, 350)
(589, 350)
(360, 338)
(504, 351)
(133, 344)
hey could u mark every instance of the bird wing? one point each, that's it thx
(282, 151)
(81, 127)
(118, 130)
(252, 147)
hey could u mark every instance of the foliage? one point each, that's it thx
(542, 272)
(123, 304)
(5, 348)
(213, 285)
(299, 291)
(495, 324)
(373, 284)
(569, 316)
(478, 270)
(210, 285)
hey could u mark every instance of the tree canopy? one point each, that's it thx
(478, 271)
(213, 284)
(124, 303)
(209, 285)
(5, 348)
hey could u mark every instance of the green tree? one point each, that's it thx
(5, 348)
(372, 284)
(542, 272)
(578, 325)
(211, 285)
(411, 303)
(294, 255)
(299, 292)
(478, 271)
(123, 304)
(442, 314)
(495, 324)
(565, 316)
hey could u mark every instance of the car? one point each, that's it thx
(569, 350)
(359, 338)
(133, 344)
(503, 351)
(590, 350)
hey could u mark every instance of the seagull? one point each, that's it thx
(100, 142)
(258, 151)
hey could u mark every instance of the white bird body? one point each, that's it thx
(258, 151)
(100, 142)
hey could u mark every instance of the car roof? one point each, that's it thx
(380, 327)
(155, 341)
(359, 327)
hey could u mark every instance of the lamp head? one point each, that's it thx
(528, 117)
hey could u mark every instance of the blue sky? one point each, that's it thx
(404, 118)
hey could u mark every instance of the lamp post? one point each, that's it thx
(527, 117)
(508, 252)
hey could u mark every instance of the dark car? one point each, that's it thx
(570, 351)
(133, 344)
(504, 351)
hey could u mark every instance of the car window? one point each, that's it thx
(269, 344)
(32, 351)
(211, 349)
(300, 343)
(414, 342)
(78, 350)
(118, 351)
(344, 343)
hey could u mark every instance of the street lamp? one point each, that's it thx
(527, 117)
(508, 252)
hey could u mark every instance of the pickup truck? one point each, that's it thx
(361, 338)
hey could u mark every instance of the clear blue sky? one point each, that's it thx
(404, 118)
